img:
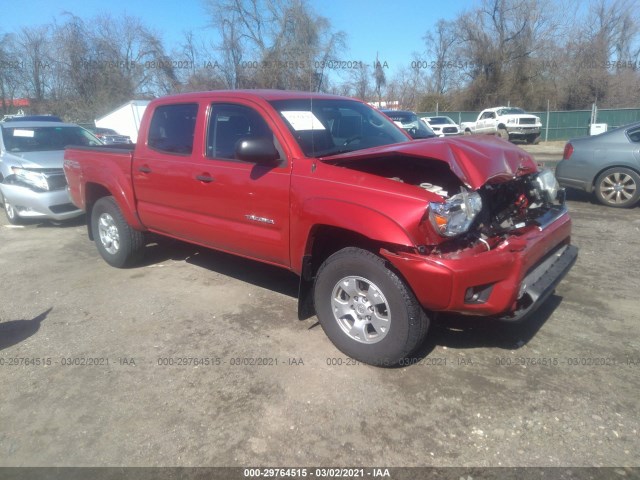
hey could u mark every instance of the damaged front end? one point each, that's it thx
(493, 237)
(495, 211)
(506, 217)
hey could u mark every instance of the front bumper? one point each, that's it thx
(541, 282)
(54, 205)
(523, 130)
(509, 281)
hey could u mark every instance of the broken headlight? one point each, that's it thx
(456, 214)
(31, 178)
(547, 185)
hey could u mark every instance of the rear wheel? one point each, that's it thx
(119, 244)
(618, 187)
(366, 310)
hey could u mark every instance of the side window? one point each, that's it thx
(634, 135)
(172, 128)
(230, 123)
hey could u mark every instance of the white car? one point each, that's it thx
(442, 126)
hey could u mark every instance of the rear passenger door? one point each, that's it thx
(164, 169)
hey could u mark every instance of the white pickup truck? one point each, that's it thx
(507, 122)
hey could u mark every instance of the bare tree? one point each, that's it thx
(10, 73)
(359, 85)
(441, 45)
(379, 77)
(33, 43)
(496, 46)
(200, 73)
(273, 43)
(407, 87)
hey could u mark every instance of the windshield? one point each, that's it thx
(411, 123)
(440, 121)
(41, 139)
(511, 111)
(324, 127)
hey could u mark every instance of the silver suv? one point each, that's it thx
(32, 181)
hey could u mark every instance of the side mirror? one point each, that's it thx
(257, 150)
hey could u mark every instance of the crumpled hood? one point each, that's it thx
(48, 159)
(476, 159)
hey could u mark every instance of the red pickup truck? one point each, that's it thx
(384, 232)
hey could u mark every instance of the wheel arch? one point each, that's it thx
(95, 191)
(609, 167)
(323, 241)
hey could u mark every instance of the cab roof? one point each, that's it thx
(266, 95)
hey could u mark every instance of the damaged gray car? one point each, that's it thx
(32, 181)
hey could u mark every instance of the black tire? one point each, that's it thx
(467, 132)
(120, 245)
(10, 212)
(502, 133)
(533, 139)
(618, 187)
(405, 322)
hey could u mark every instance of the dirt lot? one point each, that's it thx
(161, 365)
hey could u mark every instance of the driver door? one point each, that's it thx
(246, 204)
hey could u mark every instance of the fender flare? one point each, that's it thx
(123, 195)
(346, 215)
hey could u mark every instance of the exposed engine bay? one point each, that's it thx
(485, 216)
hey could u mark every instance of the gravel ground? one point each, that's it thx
(197, 359)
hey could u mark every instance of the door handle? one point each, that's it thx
(144, 169)
(205, 178)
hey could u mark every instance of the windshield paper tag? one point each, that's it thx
(303, 120)
(23, 133)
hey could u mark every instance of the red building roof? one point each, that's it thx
(18, 102)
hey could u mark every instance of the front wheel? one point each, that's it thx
(11, 212)
(618, 187)
(366, 310)
(502, 133)
(119, 244)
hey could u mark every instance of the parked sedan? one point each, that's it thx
(32, 181)
(110, 136)
(410, 122)
(607, 164)
(442, 126)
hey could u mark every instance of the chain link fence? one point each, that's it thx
(562, 125)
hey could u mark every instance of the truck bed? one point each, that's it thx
(103, 167)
